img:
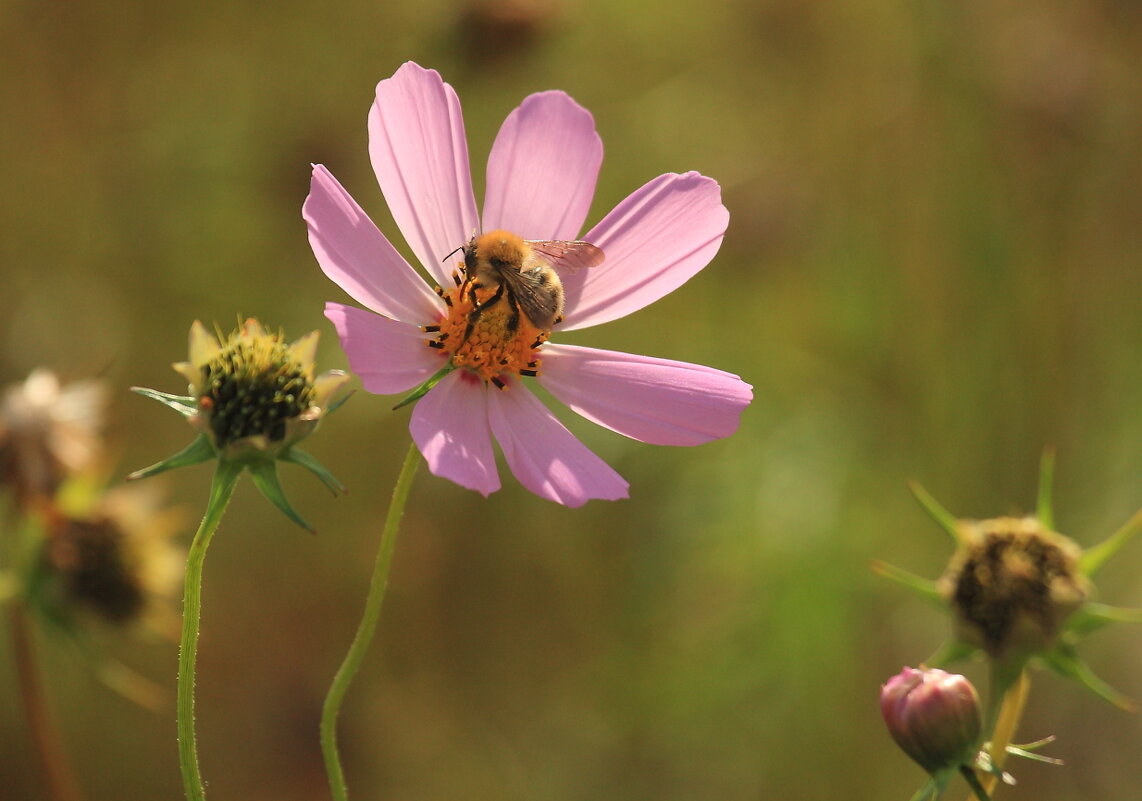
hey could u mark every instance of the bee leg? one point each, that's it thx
(478, 307)
(513, 318)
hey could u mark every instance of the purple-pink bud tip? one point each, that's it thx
(933, 716)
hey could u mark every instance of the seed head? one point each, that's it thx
(1011, 585)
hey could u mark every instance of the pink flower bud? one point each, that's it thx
(933, 716)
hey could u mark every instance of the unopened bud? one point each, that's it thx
(933, 716)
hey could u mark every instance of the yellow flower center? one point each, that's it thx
(484, 331)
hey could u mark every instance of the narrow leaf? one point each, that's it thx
(949, 652)
(423, 389)
(1094, 558)
(942, 516)
(183, 404)
(201, 450)
(265, 475)
(1044, 509)
(1065, 661)
(925, 588)
(1093, 616)
(302, 458)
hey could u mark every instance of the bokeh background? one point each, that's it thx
(932, 271)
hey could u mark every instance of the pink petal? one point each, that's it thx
(655, 241)
(450, 427)
(358, 257)
(545, 456)
(420, 156)
(652, 400)
(389, 356)
(543, 168)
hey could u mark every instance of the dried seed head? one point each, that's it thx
(1012, 584)
(48, 432)
(110, 553)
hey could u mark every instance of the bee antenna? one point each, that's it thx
(446, 258)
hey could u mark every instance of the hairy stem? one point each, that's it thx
(366, 628)
(225, 478)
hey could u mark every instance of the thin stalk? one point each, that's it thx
(225, 478)
(366, 628)
(53, 762)
(1010, 713)
(972, 779)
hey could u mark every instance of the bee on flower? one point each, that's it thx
(466, 347)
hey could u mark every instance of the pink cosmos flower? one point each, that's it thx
(540, 181)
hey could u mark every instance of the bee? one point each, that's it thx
(522, 272)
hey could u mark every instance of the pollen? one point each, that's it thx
(485, 332)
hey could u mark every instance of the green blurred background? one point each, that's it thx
(932, 271)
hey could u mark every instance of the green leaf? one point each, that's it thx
(1093, 616)
(1094, 558)
(1064, 660)
(925, 588)
(951, 651)
(302, 458)
(1044, 510)
(932, 789)
(265, 475)
(942, 516)
(201, 450)
(423, 389)
(183, 404)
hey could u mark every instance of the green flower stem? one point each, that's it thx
(366, 628)
(53, 762)
(225, 478)
(1014, 702)
(972, 779)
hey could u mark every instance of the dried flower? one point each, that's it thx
(1012, 584)
(1019, 591)
(48, 432)
(109, 553)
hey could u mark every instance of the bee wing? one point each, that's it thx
(564, 255)
(538, 293)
